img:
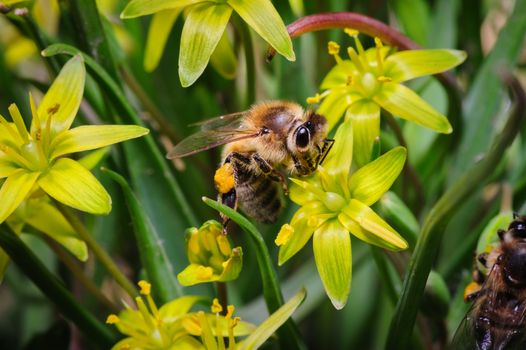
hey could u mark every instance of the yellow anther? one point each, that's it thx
(224, 178)
(230, 311)
(384, 79)
(284, 234)
(349, 80)
(378, 43)
(234, 322)
(145, 287)
(314, 99)
(224, 245)
(333, 48)
(112, 319)
(204, 273)
(351, 32)
(216, 307)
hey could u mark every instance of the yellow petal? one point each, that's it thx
(265, 20)
(70, 183)
(172, 310)
(365, 116)
(371, 181)
(224, 59)
(6, 167)
(194, 274)
(136, 8)
(334, 105)
(404, 103)
(410, 64)
(160, 27)
(14, 191)
(332, 252)
(88, 137)
(62, 100)
(202, 30)
(373, 229)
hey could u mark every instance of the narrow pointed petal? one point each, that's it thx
(136, 8)
(404, 103)
(335, 104)
(339, 75)
(265, 20)
(158, 33)
(88, 137)
(332, 252)
(62, 100)
(224, 59)
(370, 182)
(14, 190)
(410, 64)
(6, 167)
(365, 116)
(47, 218)
(373, 227)
(304, 222)
(178, 307)
(339, 159)
(271, 324)
(202, 30)
(72, 184)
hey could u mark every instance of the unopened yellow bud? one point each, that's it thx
(314, 99)
(145, 287)
(112, 319)
(333, 48)
(216, 307)
(224, 245)
(284, 234)
(351, 32)
(224, 178)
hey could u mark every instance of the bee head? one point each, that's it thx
(310, 133)
(517, 228)
(514, 263)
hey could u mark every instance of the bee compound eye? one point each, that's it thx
(519, 228)
(515, 266)
(302, 137)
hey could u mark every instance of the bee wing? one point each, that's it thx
(207, 139)
(464, 338)
(232, 121)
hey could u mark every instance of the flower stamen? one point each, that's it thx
(379, 58)
(355, 59)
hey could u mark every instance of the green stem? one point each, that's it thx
(54, 289)
(222, 295)
(289, 334)
(79, 274)
(248, 46)
(429, 240)
(99, 252)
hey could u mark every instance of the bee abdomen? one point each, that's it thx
(260, 198)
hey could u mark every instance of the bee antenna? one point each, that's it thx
(501, 233)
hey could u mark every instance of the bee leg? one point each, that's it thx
(229, 199)
(273, 174)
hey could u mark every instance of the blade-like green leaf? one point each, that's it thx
(70, 183)
(265, 20)
(371, 181)
(158, 33)
(88, 137)
(405, 103)
(158, 267)
(271, 324)
(202, 30)
(332, 252)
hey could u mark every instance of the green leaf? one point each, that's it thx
(136, 8)
(371, 181)
(406, 104)
(89, 137)
(62, 101)
(365, 117)
(414, 18)
(271, 324)
(265, 20)
(158, 33)
(151, 248)
(396, 212)
(332, 252)
(410, 64)
(70, 183)
(14, 191)
(202, 30)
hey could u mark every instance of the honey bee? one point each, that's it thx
(259, 142)
(497, 319)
